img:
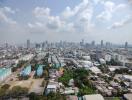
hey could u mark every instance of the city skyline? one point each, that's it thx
(65, 50)
(40, 20)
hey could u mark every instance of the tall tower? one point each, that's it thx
(82, 42)
(93, 43)
(126, 45)
(6, 45)
(102, 43)
(43, 45)
(28, 44)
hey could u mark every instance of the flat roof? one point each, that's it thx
(128, 96)
(95, 69)
(93, 97)
(51, 86)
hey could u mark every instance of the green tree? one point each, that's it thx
(66, 77)
(4, 89)
(2, 92)
(17, 91)
(33, 96)
(55, 96)
(5, 86)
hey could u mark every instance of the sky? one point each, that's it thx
(67, 20)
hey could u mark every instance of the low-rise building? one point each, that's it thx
(127, 77)
(71, 97)
(107, 57)
(102, 61)
(51, 88)
(93, 97)
(128, 96)
(95, 70)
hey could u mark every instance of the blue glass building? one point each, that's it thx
(40, 70)
(26, 71)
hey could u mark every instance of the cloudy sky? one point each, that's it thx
(69, 20)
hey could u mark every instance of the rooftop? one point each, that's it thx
(93, 97)
(128, 96)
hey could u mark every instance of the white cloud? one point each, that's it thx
(84, 20)
(39, 24)
(41, 12)
(77, 20)
(70, 24)
(36, 24)
(54, 22)
(126, 20)
(120, 7)
(8, 10)
(109, 9)
(96, 1)
(68, 12)
(4, 15)
(81, 16)
(106, 15)
(45, 20)
(30, 25)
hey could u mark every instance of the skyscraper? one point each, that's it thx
(6, 45)
(102, 43)
(82, 42)
(28, 44)
(37, 45)
(93, 43)
(107, 45)
(43, 45)
(126, 45)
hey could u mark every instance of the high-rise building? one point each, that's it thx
(28, 44)
(102, 43)
(82, 42)
(43, 45)
(93, 43)
(37, 45)
(6, 45)
(126, 45)
(107, 44)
